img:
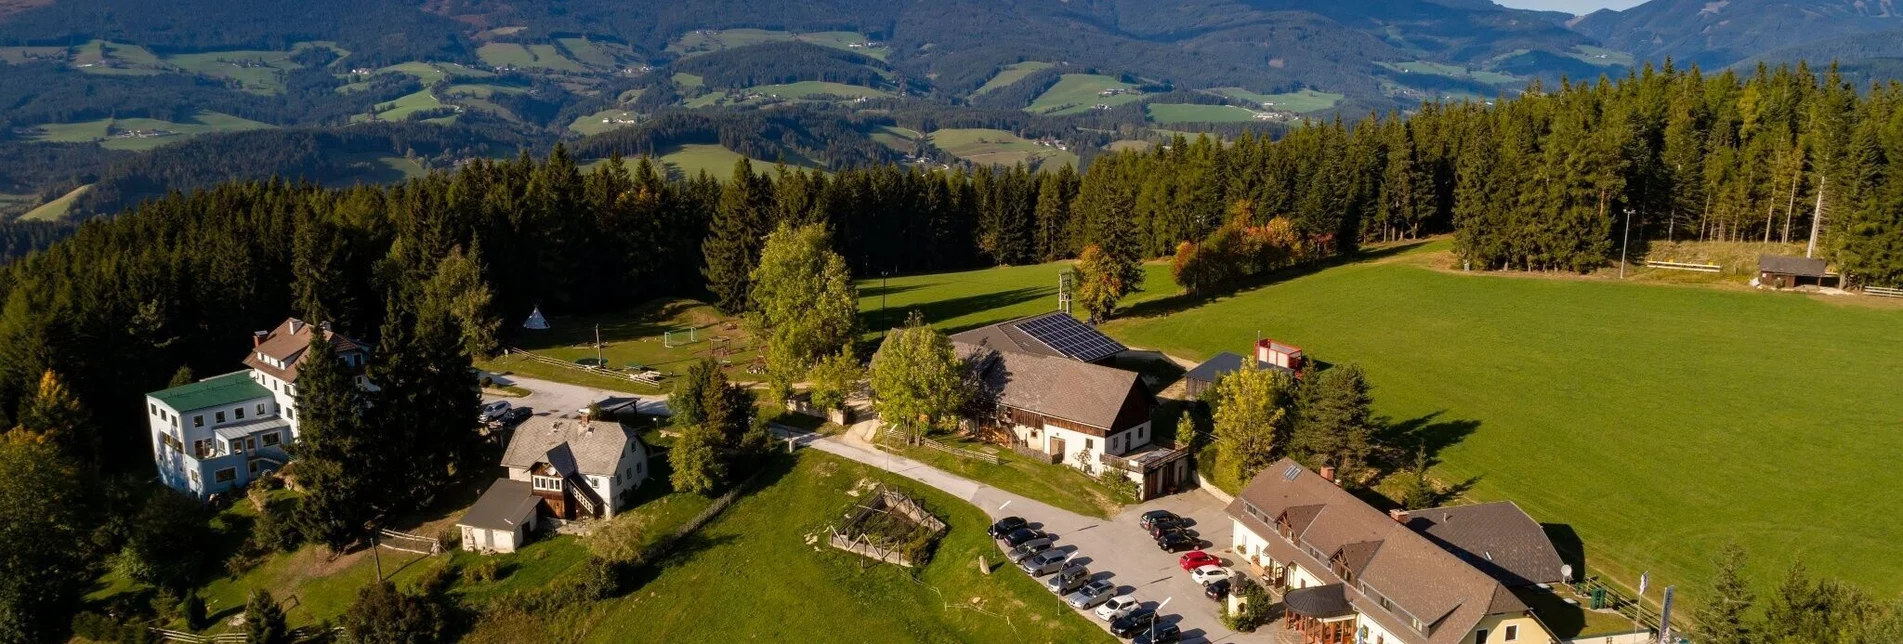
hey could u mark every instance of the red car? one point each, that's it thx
(1196, 559)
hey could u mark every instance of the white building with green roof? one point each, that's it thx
(221, 433)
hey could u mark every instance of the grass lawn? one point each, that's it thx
(1656, 421)
(108, 132)
(1078, 93)
(1059, 485)
(503, 54)
(1011, 74)
(895, 137)
(56, 209)
(998, 147)
(757, 573)
(634, 338)
(593, 123)
(1301, 102)
(954, 302)
(806, 89)
(1192, 113)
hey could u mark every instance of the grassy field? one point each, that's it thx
(1192, 113)
(998, 147)
(1301, 102)
(593, 54)
(602, 121)
(636, 339)
(756, 573)
(711, 40)
(503, 54)
(1011, 74)
(405, 105)
(1602, 56)
(688, 81)
(1059, 485)
(895, 137)
(806, 89)
(24, 55)
(108, 132)
(56, 209)
(1078, 93)
(955, 302)
(1656, 421)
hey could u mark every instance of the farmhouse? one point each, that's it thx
(222, 432)
(560, 469)
(1783, 271)
(1269, 354)
(1350, 574)
(1054, 334)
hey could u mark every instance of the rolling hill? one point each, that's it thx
(1721, 33)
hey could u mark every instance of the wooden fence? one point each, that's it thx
(1682, 266)
(167, 635)
(1883, 292)
(434, 545)
(959, 451)
(596, 369)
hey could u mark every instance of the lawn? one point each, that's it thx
(114, 133)
(806, 89)
(761, 572)
(1078, 93)
(954, 302)
(634, 338)
(712, 40)
(1061, 486)
(1301, 102)
(1192, 113)
(602, 121)
(1657, 421)
(503, 54)
(56, 209)
(1010, 74)
(998, 147)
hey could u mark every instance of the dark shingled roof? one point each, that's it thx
(1098, 396)
(501, 506)
(1223, 364)
(1785, 264)
(287, 344)
(1498, 538)
(1320, 602)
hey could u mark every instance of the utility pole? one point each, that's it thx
(1627, 242)
(598, 361)
(374, 556)
(882, 291)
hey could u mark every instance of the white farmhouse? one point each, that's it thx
(566, 469)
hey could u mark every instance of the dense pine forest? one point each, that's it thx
(1540, 182)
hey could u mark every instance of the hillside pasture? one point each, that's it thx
(142, 133)
(116, 59)
(895, 137)
(1010, 74)
(1654, 421)
(603, 121)
(56, 209)
(507, 54)
(594, 54)
(1301, 102)
(998, 147)
(24, 55)
(707, 41)
(1193, 113)
(1078, 93)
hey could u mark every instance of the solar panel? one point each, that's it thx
(1292, 472)
(1065, 335)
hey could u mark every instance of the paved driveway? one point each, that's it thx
(549, 397)
(1116, 548)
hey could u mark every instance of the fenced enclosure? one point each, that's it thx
(891, 528)
(646, 377)
(1880, 291)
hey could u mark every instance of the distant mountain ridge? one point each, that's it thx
(1717, 33)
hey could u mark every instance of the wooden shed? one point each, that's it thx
(1783, 271)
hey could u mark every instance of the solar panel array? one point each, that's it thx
(1065, 335)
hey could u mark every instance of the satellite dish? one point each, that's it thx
(1566, 573)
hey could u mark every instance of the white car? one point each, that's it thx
(494, 410)
(1210, 574)
(1116, 608)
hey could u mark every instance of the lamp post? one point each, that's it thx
(1626, 242)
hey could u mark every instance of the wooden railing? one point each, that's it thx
(959, 451)
(1880, 291)
(1683, 266)
(598, 369)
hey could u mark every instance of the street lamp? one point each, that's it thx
(1625, 243)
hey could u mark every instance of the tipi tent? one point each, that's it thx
(536, 322)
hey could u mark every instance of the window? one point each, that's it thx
(1480, 636)
(198, 421)
(194, 474)
(1090, 444)
(291, 413)
(252, 467)
(220, 417)
(203, 447)
(240, 412)
(1512, 633)
(271, 438)
(174, 422)
(637, 468)
(260, 409)
(547, 483)
(154, 407)
(251, 443)
(226, 475)
(630, 473)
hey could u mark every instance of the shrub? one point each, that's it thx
(275, 530)
(1120, 485)
(192, 609)
(100, 628)
(485, 571)
(488, 382)
(436, 581)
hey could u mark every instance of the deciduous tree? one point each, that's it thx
(916, 377)
(803, 302)
(1253, 413)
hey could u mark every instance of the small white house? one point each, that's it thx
(502, 519)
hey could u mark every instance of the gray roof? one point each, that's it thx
(1497, 538)
(1069, 338)
(1225, 363)
(501, 506)
(569, 444)
(1804, 266)
(249, 427)
(1060, 387)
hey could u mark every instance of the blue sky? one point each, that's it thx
(1571, 6)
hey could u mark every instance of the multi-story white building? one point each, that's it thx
(222, 432)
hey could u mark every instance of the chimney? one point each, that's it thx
(1328, 474)
(257, 338)
(1400, 516)
(295, 325)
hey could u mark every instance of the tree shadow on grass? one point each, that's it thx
(1426, 436)
(1185, 301)
(889, 318)
(874, 290)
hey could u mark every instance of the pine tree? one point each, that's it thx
(734, 241)
(1722, 619)
(264, 619)
(1336, 425)
(334, 442)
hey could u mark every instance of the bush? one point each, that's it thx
(435, 581)
(192, 609)
(487, 570)
(275, 530)
(1120, 485)
(100, 628)
(488, 382)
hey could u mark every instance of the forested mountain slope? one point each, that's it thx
(1720, 33)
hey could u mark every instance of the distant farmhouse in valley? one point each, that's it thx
(1056, 398)
(223, 432)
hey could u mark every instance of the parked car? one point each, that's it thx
(1207, 575)
(493, 411)
(1153, 516)
(1159, 634)
(1217, 590)
(516, 415)
(1117, 608)
(1166, 524)
(1092, 594)
(1019, 536)
(1196, 559)
(1005, 526)
(1045, 562)
(1136, 622)
(1176, 541)
(1068, 580)
(1029, 549)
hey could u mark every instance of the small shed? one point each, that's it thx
(1206, 374)
(1784, 271)
(501, 520)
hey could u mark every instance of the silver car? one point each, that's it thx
(1092, 594)
(1029, 549)
(1068, 580)
(1045, 562)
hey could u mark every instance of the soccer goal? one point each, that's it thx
(672, 339)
